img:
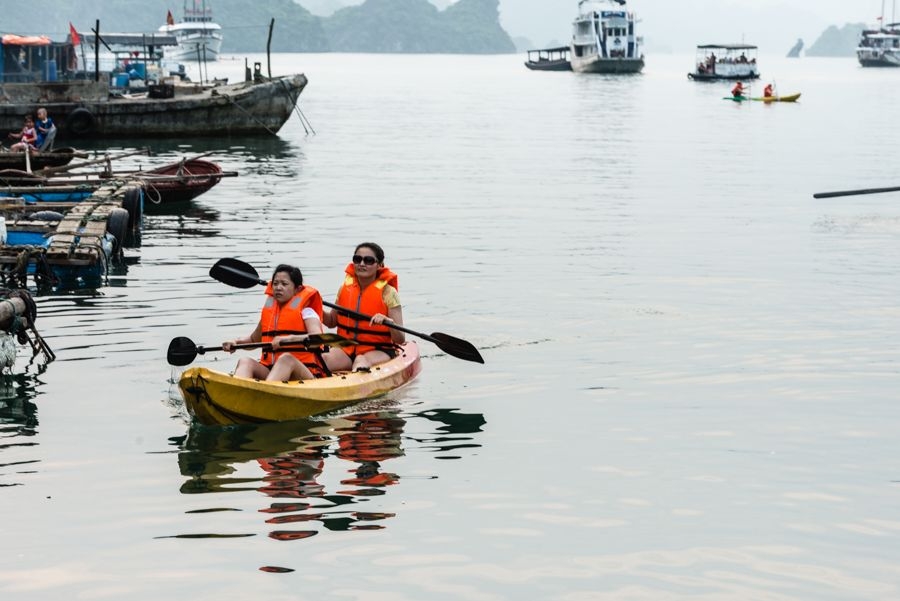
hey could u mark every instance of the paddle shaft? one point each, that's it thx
(357, 315)
(855, 192)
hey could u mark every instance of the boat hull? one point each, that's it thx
(214, 397)
(562, 65)
(246, 108)
(787, 98)
(595, 64)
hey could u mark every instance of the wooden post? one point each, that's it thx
(97, 50)
(269, 47)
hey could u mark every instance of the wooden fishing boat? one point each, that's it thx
(788, 98)
(214, 397)
(35, 159)
(181, 181)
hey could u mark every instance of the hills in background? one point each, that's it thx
(463, 26)
(466, 26)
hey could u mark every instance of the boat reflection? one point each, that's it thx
(18, 427)
(296, 458)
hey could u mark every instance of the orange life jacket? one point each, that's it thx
(277, 320)
(369, 301)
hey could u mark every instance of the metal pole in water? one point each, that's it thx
(269, 47)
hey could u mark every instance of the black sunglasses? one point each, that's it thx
(357, 259)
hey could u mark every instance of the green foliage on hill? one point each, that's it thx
(469, 26)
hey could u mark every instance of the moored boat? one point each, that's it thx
(549, 59)
(83, 107)
(198, 37)
(36, 159)
(880, 47)
(215, 397)
(730, 62)
(180, 181)
(603, 39)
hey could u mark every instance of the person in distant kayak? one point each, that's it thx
(292, 312)
(768, 91)
(738, 90)
(369, 288)
(26, 138)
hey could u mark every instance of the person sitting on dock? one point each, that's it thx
(26, 137)
(768, 91)
(292, 311)
(738, 90)
(46, 130)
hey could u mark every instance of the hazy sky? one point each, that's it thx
(773, 25)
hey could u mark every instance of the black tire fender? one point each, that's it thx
(117, 226)
(133, 203)
(81, 122)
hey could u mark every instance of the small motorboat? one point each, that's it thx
(549, 59)
(217, 398)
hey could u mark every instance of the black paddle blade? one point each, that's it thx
(462, 349)
(235, 272)
(182, 351)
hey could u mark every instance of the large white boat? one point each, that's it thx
(199, 39)
(880, 47)
(603, 39)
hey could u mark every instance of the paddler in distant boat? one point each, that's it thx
(292, 311)
(738, 90)
(769, 91)
(370, 288)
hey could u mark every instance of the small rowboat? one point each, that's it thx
(36, 160)
(788, 98)
(181, 181)
(214, 397)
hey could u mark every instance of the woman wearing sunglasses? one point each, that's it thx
(370, 288)
(291, 312)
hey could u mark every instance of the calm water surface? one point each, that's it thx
(691, 364)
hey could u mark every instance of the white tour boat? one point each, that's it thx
(199, 39)
(880, 47)
(725, 61)
(603, 39)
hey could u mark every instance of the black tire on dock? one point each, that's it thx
(132, 203)
(81, 122)
(117, 225)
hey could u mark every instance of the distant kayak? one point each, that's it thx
(788, 98)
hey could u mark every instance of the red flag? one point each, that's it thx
(76, 39)
(170, 20)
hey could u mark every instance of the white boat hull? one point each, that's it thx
(596, 64)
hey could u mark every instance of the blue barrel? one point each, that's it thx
(51, 70)
(137, 70)
(122, 80)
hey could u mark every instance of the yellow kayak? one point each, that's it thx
(788, 98)
(215, 397)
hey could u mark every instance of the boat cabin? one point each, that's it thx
(725, 61)
(133, 60)
(549, 59)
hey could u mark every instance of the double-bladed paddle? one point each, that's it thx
(235, 272)
(855, 192)
(183, 351)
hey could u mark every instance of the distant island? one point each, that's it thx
(378, 26)
(836, 41)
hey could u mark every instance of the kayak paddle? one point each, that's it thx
(183, 351)
(855, 192)
(235, 272)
